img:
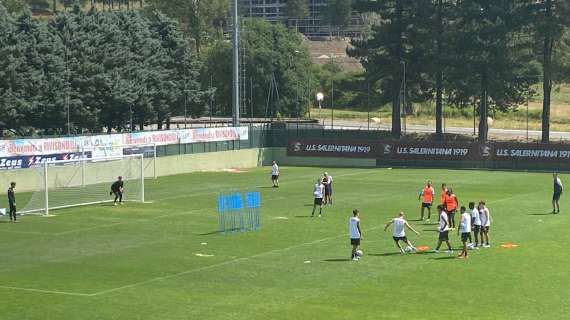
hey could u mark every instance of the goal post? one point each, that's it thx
(79, 182)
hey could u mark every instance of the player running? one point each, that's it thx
(451, 204)
(12, 201)
(275, 174)
(318, 193)
(426, 195)
(475, 224)
(485, 216)
(465, 230)
(355, 233)
(443, 230)
(117, 189)
(399, 231)
(556, 194)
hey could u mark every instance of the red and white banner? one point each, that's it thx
(213, 134)
(112, 144)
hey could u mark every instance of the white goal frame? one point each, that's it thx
(46, 171)
(121, 147)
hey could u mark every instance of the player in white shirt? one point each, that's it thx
(318, 193)
(485, 216)
(399, 225)
(443, 230)
(475, 224)
(355, 234)
(275, 174)
(465, 230)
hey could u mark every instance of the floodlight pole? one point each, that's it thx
(235, 41)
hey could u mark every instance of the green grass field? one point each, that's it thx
(139, 261)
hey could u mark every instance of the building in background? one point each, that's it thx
(312, 26)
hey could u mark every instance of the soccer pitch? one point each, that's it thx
(165, 259)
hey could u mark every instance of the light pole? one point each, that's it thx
(403, 111)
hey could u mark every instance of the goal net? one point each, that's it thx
(69, 183)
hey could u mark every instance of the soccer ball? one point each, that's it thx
(359, 253)
(409, 249)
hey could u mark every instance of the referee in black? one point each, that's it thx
(12, 201)
(117, 190)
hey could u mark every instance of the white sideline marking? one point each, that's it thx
(27, 232)
(77, 294)
(221, 264)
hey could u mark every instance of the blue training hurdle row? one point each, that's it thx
(235, 214)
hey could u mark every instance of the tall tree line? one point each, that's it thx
(487, 53)
(93, 72)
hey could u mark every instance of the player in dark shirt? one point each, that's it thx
(117, 190)
(12, 201)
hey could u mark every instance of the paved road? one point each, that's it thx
(499, 133)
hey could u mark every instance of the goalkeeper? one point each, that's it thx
(117, 190)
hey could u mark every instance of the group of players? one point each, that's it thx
(476, 221)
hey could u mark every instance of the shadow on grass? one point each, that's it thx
(267, 187)
(302, 216)
(308, 205)
(445, 258)
(541, 214)
(337, 260)
(387, 254)
(210, 233)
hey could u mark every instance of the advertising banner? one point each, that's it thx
(425, 150)
(19, 147)
(151, 137)
(430, 151)
(333, 148)
(23, 162)
(213, 134)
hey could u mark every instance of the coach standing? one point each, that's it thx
(556, 194)
(12, 201)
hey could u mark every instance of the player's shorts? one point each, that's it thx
(318, 201)
(485, 228)
(274, 177)
(328, 189)
(355, 242)
(476, 229)
(465, 236)
(556, 196)
(426, 205)
(444, 236)
(404, 238)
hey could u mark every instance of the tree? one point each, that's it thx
(14, 6)
(486, 67)
(276, 63)
(338, 13)
(199, 18)
(297, 9)
(551, 18)
(394, 45)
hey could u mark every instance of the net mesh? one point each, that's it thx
(82, 182)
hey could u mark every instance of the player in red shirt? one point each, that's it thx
(451, 204)
(426, 195)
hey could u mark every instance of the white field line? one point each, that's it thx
(221, 264)
(77, 294)
(27, 232)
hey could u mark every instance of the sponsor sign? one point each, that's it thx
(333, 148)
(213, 134)
(23, 162)
(152, 137)
(431, 151)
(420, 150)
(531, 152)
(146, 151)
